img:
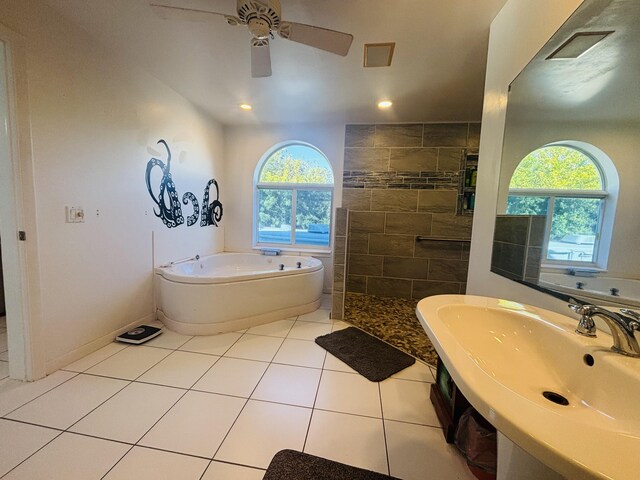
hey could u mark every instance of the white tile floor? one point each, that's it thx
(220, 407)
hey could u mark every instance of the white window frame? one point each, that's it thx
(294, 188)
(552, 195)
(609, 193)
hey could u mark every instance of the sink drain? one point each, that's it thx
(555, 398)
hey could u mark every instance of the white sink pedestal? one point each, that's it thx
(514, 462)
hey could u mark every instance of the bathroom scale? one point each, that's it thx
(139, 335)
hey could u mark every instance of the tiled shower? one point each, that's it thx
(399, 232)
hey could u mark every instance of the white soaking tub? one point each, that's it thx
(597, 289)
(231, 291)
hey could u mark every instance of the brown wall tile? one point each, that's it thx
(337, 306)
(449, 159)
(408, 223)
(359, 135)
(448, 270)
(512, 229)
(356, 199)
(507, 257)
(339, 246)
(399, 245)
(366, 159)
(402, 267)
(388, 287)
(451, 226)
(414, 159)
(426, 288)
(438, 249)
(359, 243)
(409, 135)
(473, 142)
(356, 284)
(341, 221)
(365, 265)
(438, 201)
(537, 230)
(445, 135)
(338, 280)
(466, 250)
(366, 222)
(394, 200)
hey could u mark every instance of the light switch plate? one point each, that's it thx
(74, 214)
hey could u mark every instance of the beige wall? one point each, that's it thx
(95, 121)
(402, 181)
(521, 28)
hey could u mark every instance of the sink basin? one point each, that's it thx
(504, 356)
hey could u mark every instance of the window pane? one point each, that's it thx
(557, 168)
(313, 217)
(274, 216)
(522, 205)
(297, 164)
(574, 229)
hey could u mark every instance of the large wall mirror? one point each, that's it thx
(568, 217)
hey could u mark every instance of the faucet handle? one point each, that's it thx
(586, 325)
(580, 309)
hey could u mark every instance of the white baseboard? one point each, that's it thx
(64, 360)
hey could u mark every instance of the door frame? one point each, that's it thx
(20, 258)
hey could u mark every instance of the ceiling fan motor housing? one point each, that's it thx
(261, 16)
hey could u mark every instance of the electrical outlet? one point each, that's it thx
(74, 214)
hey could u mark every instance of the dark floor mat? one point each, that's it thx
(292, 465)
(370, 357)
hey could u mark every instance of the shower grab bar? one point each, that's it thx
(442, 239)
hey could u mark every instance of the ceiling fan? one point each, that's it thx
(263, 18)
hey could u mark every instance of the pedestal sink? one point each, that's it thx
(567, 400)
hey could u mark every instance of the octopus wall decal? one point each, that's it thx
(169, 209)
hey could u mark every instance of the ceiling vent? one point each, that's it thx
(378, 54)
(579, 44)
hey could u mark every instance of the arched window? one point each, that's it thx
(294, 198)
(568, 186)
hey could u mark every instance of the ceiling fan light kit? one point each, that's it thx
(263, 19)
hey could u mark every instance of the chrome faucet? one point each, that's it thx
(622, 328)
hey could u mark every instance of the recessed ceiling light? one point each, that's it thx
(579, 44)
(246, 106)
(385, 104)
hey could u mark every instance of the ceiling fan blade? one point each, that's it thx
(190, 14)
(260, 58)
(317, 37)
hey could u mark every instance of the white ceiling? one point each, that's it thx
(437, 72)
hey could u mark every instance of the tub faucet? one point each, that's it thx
(622, 328)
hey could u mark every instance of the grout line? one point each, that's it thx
(97, 363)
(384, 430)
(315, 399)
(43, 393)
(247, 401)
(50, 441)
(100, 404)
(119, 460)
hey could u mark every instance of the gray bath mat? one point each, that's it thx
(292, 465)
(370, 357)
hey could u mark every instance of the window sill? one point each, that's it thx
(300, 251)
(565, 268)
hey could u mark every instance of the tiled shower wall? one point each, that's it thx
(400, 183)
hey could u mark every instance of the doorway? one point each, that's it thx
(20, 349)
